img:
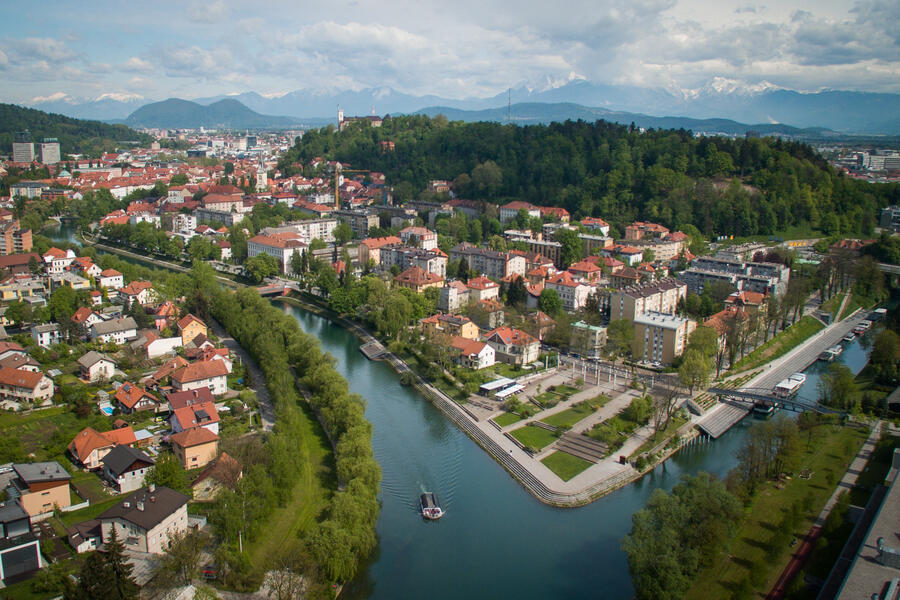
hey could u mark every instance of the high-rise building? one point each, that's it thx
(48, 151)
(23, 148)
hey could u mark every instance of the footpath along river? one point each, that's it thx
(496, 540)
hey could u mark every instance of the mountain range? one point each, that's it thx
(841, 111)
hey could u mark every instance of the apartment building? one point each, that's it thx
(491, 263)
(661, 296)
(659, 337)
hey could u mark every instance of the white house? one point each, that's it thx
(94, 366)
(115, 330)
(111, 279)
(161, 346)
(46, 335)
(208, 373)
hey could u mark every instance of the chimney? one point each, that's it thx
(140, 506)
(151, 488)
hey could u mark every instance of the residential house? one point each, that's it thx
(90, 446)
(132, 398)
(111, 279)
(487, 314)
(749, 301)
(222, 474)
(141, 292)
(146, 520)
(56, 261)
(573, 293)
(40, 487)
(370, 249)
(190, 327)
(10, 348)
(473, 354)
(167, 368)
(20, 550)
(586, 270)
(126, 467)
(419, 237)
(196, 447)
(21, 361)
(454, 295)
(84, 317)
(587, 340)
(117, 331)
(510, 211)
(491, 263)
(46, 335)
(418, 279)
(197, 414)
(85, 536)
(208, 373)
(541, 323)
(281, 246)
(513, 346)
(433, 261)
(453, 325)
(164, 315)
(25, 386)
(94, 366)
(482, 288)
(182, 399)
(596, 224)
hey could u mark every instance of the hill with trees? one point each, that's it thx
(91, 138)
(228, 114)
(744, 187)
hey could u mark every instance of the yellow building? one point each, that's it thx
(418, 279)
(659, 338)
(190, 327)
(195, 447)
(453, 325)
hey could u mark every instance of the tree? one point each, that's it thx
(694, 370)
(837, 387)
(62, 303)
(705, 340)
(168, 472)
(618, 337)
(104, 577)
(550, 302)
(516, 294)
(570, 252)
(261, 266)
(885, 356)
(343, 233)
(487, 178)
(181, 559)
(678, 533)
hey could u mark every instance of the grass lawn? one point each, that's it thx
(90, 485)
(570, 416)
(70, 518)
(852, 305)
(565, 465)
(748, 551)
(781, 344)
(658, 437)
(565, 390)
(309, 499)
(549, 399)
(534, 437)
(23, 591)
(507, 419)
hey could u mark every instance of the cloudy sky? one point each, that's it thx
(458, 49)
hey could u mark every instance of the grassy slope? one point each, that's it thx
(532, 436)
(781, 344)
(748, 550)
(309, 499)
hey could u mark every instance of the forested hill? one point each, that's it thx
(722, 186)
(74, 135)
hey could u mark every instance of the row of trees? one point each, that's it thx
(288, 355)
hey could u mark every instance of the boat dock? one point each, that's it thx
(373, 350)
(722, 419)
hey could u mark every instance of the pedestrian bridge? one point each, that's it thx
(764, 397)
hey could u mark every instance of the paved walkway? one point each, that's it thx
(266, 408)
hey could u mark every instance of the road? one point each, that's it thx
(266, 408)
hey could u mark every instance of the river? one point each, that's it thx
(496, 540)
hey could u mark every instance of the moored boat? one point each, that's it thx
(790, 386)
(431, 508)
(849, 337)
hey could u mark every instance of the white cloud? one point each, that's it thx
(55, 97)
(137, 65)
(208, 12)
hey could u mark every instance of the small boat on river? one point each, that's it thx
(431, 508)
(790, 386)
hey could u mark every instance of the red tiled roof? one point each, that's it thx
(417, 276)
(128, 395)
(187, 320)
(194, 437)
(200, 370)
(511, 336)
(89, 439)
(18, 378)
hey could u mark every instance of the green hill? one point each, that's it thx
(224, 114)
(75, 136)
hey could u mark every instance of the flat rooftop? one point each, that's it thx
(868, 576)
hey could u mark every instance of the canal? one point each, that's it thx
(496, 540)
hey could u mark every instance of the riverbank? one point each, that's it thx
(592, 484)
